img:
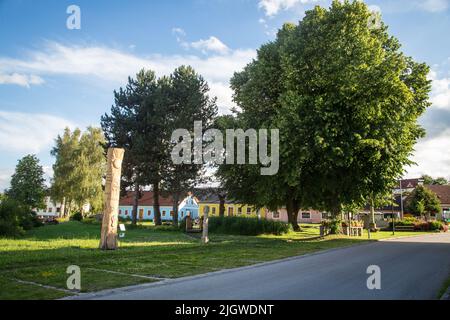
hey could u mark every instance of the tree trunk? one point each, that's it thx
(372, 224)
(108, 239)
(63, 207)
(156, 209)
(221, 205)
(176, 199)
(134, 213)
(296, 208)
(292, 218)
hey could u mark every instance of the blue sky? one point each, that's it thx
(52, 77)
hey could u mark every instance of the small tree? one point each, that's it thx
(423, 201)
(28, 183)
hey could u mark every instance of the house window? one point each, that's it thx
(214, 210)
(120, 212)
(230, 211)
(276, 215)
(239, 210)
(164, 213)
(126, 212)
(171, 213)
(58, 209)
(249, 210)
(182, 213)
(306, 215)
(50, 209)
(149, 212)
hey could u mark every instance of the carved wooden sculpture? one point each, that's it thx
(108, 240)
(205, 237)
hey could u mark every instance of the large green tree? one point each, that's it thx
(346, 101)
(423, 201)
(64, 181)
(187, 101)
(124, 128)
(28, 184)
(79, 169)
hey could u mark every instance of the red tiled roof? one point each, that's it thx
(442, 192)
(409, 183)
(146, 200)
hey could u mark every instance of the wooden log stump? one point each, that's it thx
(188, 223)
(205, 238)
(108, 239)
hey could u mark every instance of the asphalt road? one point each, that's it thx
(411, 268)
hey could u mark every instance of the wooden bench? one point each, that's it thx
(404, 228)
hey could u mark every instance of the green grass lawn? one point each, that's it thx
(146, 254)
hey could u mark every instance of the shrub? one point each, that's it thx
(435, 225)
(182, 224)
(126, 219)
(90, 220)
(334, 226)
(77, 216)
(31, 221)
(248, 226)
(13, 217)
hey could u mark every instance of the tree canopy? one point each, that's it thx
(142, 121)
(28, 184)
(346, 101)
(79, 169)
(423, 201)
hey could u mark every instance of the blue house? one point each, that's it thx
(188, 205)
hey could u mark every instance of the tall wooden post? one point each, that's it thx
(205, 238)
(108, 240)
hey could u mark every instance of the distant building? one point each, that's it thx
(146, 209)
(53, 208)
(304, 216)
(210, 197)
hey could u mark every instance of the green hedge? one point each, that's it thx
(420, 225)
(248, 226)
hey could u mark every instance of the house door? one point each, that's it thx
(141, 214)
(230, 211)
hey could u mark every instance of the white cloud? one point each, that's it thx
(273, 7)
(5, 177)
(21, 79)
(29, 133)
(178, 31)
(432, 157)
(212, 44)
(374, 8)
(440, 95)
(434, 5)
(114, 65)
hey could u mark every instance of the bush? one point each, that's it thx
(13, 217)
(31, 221)
(420, 225)
(435, 225)
(334, 226)
(77, 216)
(126, 219)
(90, 220)
(248, 226)
(182, 224)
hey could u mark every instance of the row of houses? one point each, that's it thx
(194, 203)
